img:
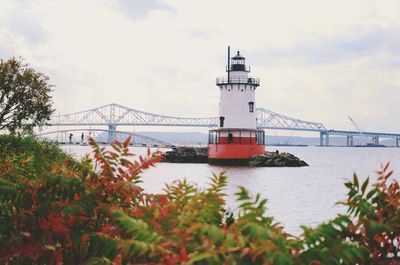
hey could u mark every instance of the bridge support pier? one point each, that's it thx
(321, 138)
(375, 140)
(397, 141)
(111, 133)
(349, 140)
(323, 134)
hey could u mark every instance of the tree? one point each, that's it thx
(25, 99)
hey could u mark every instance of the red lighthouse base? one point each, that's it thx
(234, 146)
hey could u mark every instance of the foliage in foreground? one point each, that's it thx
(64, 212)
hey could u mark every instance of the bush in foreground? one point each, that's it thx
(61, 211)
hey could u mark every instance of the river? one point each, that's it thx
(296, 196)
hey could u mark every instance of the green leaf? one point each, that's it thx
(364, 186)
(200, 256)
(355, 180)
(98, 261)
(371, 193)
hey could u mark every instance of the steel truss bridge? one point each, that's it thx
(138, 139)
(113, 115)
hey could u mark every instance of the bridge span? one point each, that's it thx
(374, 136)
(136, 138)
(113, 115)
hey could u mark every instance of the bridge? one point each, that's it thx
(97, 133)
(113, 115)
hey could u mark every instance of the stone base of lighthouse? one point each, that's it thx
(234, 146)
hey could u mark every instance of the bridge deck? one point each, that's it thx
(357, 133)
(113, 115)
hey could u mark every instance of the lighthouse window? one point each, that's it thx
(213, 137)
(221, 121)
(260, 137)
(230, 138)
(251, 106)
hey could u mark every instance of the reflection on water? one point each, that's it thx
(295, 196)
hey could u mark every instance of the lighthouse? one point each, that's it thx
(237, 138)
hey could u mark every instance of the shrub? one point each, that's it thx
(61, 211)
(27, 154)
(58, 210)
(376, 213)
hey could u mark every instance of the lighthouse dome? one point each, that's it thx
(238, 63)
(238, 56)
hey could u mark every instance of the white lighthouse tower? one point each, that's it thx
(237, 138)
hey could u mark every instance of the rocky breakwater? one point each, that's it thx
(187, 155)
(276, 159)
(199, 155)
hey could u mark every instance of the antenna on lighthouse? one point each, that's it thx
(229, 59)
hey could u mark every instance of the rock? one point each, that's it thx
(200, 155)
(187, 155)
(276, 159)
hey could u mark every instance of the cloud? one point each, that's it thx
(141, 8)
(27, 27)
(6, 47)
(206, 33)
(341, 47)
(317, 60)
(23, 20)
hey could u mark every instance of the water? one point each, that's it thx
(296, 196)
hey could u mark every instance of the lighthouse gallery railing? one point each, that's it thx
(238, 80)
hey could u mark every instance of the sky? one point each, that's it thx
(317, 60)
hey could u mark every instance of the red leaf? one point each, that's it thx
(138, 213)
(388, 174)
(127, 141)
(183, 257)
(386, 167)
(121, 171)
(117, 260)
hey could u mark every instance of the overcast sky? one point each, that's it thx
(317, 60)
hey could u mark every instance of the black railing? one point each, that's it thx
(238, 80)
(227, 137)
